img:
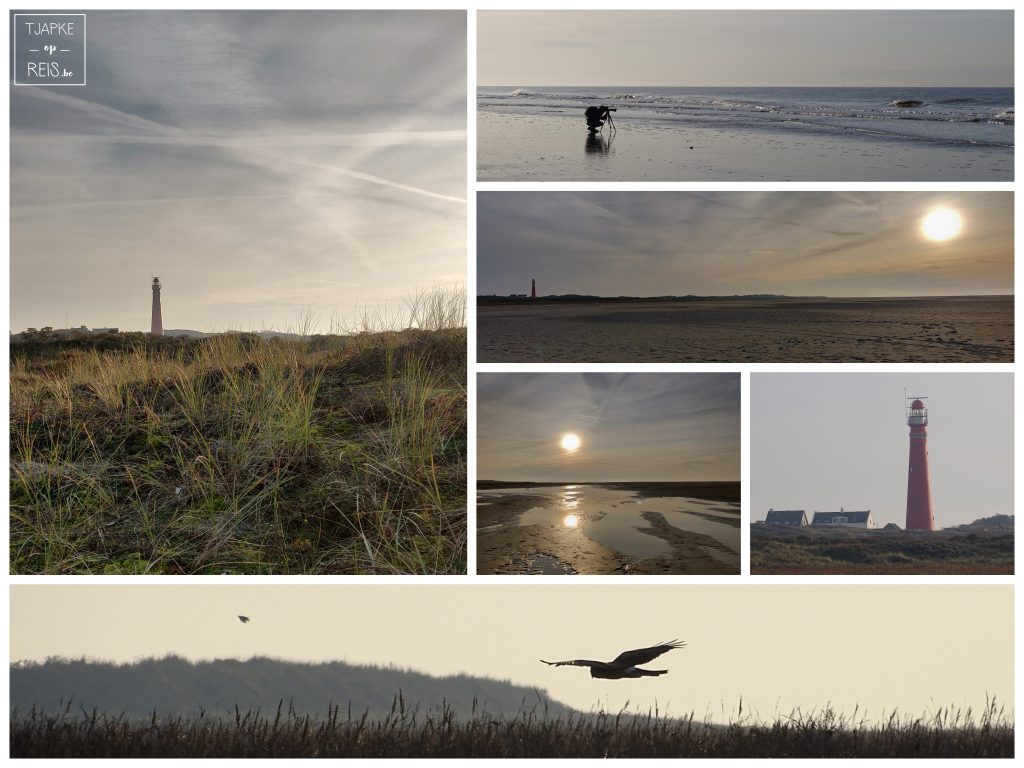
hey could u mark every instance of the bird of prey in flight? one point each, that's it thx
(625, 664)
(244, 619)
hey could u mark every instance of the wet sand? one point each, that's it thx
(505, 545)
(518, 147)
(937, 330)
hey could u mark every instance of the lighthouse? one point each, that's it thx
(157, 326)
(533, 288)
(919, 484)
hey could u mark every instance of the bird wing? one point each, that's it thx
(643, 655)
(575, 663)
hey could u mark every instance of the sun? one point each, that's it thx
(570, 442)
(941, 224)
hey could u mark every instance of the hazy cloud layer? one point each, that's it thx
(262, 163)
(745, 48)
(724, 243)
(633, 426)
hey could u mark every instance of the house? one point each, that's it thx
(845, 518)
(786, 517)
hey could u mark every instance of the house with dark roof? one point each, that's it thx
(786, 517)
(845, 518)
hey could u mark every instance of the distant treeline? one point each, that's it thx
(174, 686)
(583, 298)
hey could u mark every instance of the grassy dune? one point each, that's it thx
(780, 549)
(408, 732)
(242, 454)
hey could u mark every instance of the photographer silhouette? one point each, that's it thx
(596, 117)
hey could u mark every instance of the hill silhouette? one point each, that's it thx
(173, 686)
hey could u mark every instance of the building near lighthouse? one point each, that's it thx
(156, 327)
(919, 484)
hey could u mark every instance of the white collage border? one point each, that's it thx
(638, 582)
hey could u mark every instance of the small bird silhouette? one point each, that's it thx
(625, 664)
(244, 619)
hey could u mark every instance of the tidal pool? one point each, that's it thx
(613, 517)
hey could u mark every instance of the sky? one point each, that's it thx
(267, 166)
(745, 48)
(726, 243)
(911, 647)
(831, 440)
(632, 426)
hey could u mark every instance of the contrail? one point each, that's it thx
(133, 121)
(363, 177)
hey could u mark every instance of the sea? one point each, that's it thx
(981, 117)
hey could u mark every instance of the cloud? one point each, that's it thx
(273, 160)
(713, 243)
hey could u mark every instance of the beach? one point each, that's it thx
(606, 530)
(938, 330)
(756, 135)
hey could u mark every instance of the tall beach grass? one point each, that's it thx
(241, 453)
(409, 732)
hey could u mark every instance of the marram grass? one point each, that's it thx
(241, 454)
(410, 732)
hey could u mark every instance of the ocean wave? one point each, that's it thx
(867, 108)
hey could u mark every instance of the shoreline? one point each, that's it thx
(555, 147)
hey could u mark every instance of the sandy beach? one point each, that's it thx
(557, 147)
(612, 531)
(945, 329)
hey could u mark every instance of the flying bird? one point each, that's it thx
(244, 619)
(625, 664)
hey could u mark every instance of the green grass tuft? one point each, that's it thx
(241, 454)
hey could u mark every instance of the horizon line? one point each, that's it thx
(612, 85)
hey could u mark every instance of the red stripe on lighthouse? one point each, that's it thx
(919, 485)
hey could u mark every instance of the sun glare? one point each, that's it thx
(941, 224)
(570, 442)
(571, 521)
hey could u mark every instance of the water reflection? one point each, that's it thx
(597, 143)
(614, 518)
(569, 500)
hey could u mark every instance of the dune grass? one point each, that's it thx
(238, 453)
(408, 732)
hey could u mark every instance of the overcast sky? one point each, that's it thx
(914, 648)
(745, 48)
(263, 164)
(825, 441)
(632, 426)
(724, 243)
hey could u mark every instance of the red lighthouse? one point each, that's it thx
(919, 484)
(533, 288)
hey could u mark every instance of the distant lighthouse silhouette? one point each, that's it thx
(533, 288)
(157, 326)
(919, 484)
